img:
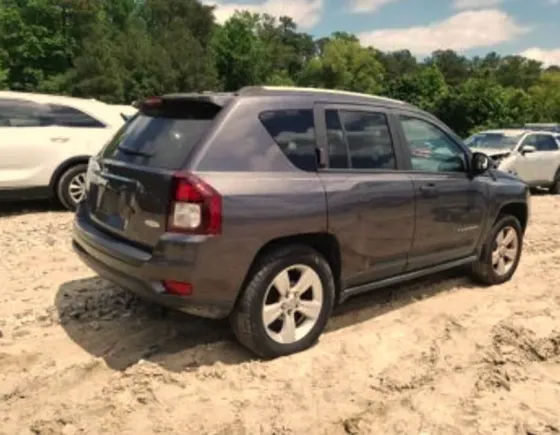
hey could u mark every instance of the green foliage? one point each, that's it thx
(425, 88)
(123, 50)
(344, 64)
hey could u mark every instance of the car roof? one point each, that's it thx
(515, 132)
(317, 94)
(542, 124)
(107, 113)
(50, 99)
(505, 131)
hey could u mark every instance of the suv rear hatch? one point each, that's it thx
(134, 185)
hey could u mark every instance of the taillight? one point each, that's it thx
(196, 208)
(178, 288)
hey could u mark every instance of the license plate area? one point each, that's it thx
(111, 209)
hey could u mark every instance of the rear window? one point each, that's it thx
(294, 132)
(162, 137)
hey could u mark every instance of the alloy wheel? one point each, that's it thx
(292, 304)
(506, 250)
(77, 188)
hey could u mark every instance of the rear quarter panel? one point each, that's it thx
(264, 197)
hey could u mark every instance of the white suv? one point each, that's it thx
(534, 156)
(46, 142)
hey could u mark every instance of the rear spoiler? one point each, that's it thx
(219, 99)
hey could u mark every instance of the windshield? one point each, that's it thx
(493, 140)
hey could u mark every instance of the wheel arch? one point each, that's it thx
(323, 242)
(63, 167)
(520, 210)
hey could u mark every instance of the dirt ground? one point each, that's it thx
(441, 356)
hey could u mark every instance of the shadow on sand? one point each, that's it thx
(20, 208)
(113, 324)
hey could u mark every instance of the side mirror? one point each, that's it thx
(528, 149)
(480, 163)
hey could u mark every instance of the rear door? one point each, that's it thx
(450, 205)
(130, 180)
(25, 143)
(81, 133)
(370, 202)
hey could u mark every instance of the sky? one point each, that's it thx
(471, 27)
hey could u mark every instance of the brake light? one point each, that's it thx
(178, 288)
(152, 102)
(196, 208)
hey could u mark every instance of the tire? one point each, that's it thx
(247, 319)
(65, 183)
(483, 270)
(554, 189)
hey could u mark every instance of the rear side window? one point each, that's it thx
(21, 113)
(162, 137)
(359, 140)
(65, 116)
(294, 132)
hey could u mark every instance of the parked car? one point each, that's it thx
(271, 205)
(533, 156)
(47, 141)
(552, 127)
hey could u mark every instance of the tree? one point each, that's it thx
(425, 88)
(345, 64)
(239, 52)
(455, 69)
(97, 72)
(33, 41)
(518, 72)
(546, 97)
(398, 63)
(480, 104)
(124, 50)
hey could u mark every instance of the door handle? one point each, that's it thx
(59, 139)
(429, 190)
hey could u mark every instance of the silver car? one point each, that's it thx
(534, 156)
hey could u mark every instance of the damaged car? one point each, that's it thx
(533, 156)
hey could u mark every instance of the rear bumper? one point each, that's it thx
(141, 272)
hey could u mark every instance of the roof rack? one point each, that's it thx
(263, 89)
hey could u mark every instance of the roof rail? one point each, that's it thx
(254, 89)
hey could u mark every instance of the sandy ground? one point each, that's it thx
(441, 356)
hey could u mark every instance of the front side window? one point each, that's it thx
(64, 116)
(294, 132)
(431, 149)
(541, 142)
(359, 140)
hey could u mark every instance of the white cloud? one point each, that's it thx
(547, 57)
(476, 4)
(464, 31)
(368, 5)
(306, 13)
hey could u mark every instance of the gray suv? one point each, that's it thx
(271, 205)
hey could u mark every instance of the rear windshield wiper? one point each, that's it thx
(134, 152)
